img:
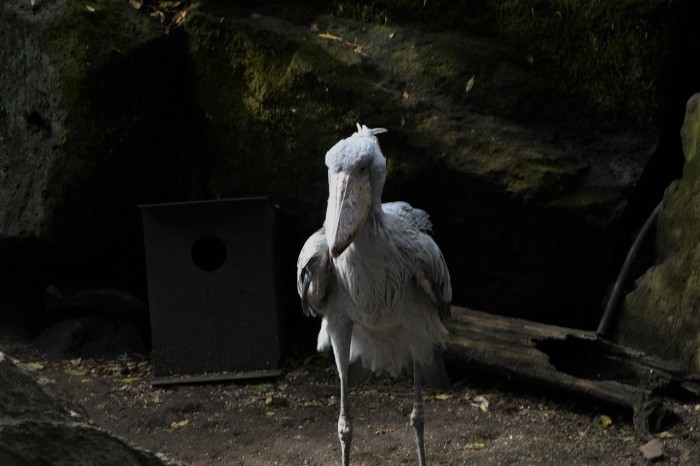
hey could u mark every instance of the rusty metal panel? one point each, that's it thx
(214, 306)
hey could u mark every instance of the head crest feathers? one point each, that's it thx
(363, 130)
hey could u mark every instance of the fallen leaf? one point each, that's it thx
(605, 421)
(406, 94)
(481, 403)
(169, 4)
(268, 400)
(665, 434)
(90, 8)
(35, 366)
(443, 396)
(325, 35)
(392, 35)
(77, 372)
(180, 17)
(474, 446)
(158, 14)
(130, 379)
(136, 4)
(355, 46)
(269, 413)
(179, 424)
(470, 84)
(76, 361)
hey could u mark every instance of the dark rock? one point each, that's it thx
(652, 450)
(40, 427)
(92, 123)
(662, 314)
(98, 301)
(92, 337)
(23, 397)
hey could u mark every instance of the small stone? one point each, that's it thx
(652, 450)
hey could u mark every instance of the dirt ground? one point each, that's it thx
(292, 420)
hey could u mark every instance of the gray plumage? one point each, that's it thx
(377, 278)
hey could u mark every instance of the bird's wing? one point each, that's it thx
(416, 217)
(314, 270)
(432, 274)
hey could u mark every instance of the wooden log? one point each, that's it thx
(567, 359)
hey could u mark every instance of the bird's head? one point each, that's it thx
(356, 174)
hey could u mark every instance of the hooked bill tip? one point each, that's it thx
(337, 249)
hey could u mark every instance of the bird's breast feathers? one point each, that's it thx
(375, 279)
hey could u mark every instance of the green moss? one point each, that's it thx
(662, 314)
(276, 98)
(610, 55)
(600, 56)
(83, 44)
(120, 120)
(434, 15)
(82, 41)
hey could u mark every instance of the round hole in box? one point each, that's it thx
(208, 253)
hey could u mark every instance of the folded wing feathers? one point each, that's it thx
(418, 218)
(432, 274)
(313, 273)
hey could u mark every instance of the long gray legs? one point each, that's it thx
(340, 340)
(418, 415)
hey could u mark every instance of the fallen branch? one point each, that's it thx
(568, 359)
(357, 48)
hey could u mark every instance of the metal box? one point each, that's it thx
(214, 306)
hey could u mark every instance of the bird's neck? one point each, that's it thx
(375, 218)
(374, 222)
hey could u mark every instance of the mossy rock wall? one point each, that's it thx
(662, 314)
(273, 98)
(526, 216)
(527, 169)
(606, 55)
(94, 122)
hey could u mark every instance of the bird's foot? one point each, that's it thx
(418, 423)
(418, 417)
(345, 436)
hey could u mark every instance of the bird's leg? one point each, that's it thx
(341, 350)
(418, 415)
